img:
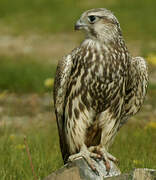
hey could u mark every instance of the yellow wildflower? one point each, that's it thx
(49, 82)
(151, 124)
(12, 137)
(3, 94)
(20, 146)
(137, 162)
(151, 58)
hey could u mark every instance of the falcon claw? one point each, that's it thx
(88, 156)
(104, 155)
(96, 172)
(107, 164)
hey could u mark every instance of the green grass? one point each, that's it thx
(136, 17)
(24, 74)
(43, 145)
(134, 147)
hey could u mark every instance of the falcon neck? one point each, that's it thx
(115, 44)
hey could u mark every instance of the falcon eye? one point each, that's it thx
(92, 19)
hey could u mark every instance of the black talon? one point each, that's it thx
(96, 172)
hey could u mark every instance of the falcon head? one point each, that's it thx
(99, 24)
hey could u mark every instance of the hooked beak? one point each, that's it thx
(79, 25)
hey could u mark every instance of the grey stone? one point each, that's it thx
(79, 170)
(136, 174)
(144, 174)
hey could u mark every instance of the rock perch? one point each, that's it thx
(79, 170)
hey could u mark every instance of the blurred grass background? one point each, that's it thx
(34, 35)
(137, 17)
(26, 24)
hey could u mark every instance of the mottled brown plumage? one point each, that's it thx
(98, 86)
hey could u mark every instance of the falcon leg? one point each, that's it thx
(87, 155)
(104, 155)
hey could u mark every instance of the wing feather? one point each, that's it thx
(60, 87)
(136, 88)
